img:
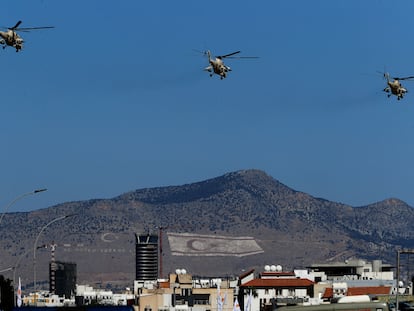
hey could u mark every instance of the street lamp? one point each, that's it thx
(35, 247)
(17, 264)
(17, 199)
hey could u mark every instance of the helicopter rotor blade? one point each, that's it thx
(15, 26)
(198, 51)
(403, 78)
(227, 55)
(244, 57)
(33, 28)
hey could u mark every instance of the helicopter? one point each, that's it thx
(11, 38)
(394, 86)
(217, 66)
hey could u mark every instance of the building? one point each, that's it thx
(354, 269)
(352, 277)
(87, 295)
(181, 291)
(146, 257)
(62, 278)
(46, 299)
(275, 287)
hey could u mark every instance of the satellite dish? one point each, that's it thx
(183, 271)
(279, 268)
(273, 268)
(177, 271)
(267, 268)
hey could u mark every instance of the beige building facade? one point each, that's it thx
(182, 292)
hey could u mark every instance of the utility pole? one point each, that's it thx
(160, 229)
(399, 252)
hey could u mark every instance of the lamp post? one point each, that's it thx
(17, 199)
(35, 248)
(398, 281)
(17, 264)
(397, 285)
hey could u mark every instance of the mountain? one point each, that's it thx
(221, 226)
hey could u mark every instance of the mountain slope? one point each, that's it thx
(292, 228)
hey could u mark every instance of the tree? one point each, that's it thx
(6, 294)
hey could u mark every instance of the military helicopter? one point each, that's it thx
(217, 65)
(11, 38)
(394, 86)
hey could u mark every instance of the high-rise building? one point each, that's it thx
(62, 278)
(146, 257)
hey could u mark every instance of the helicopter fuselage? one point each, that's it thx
(395, 88)
(218, 67)
(11, 38)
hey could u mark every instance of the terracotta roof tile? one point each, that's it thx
(362, 290)
(328, 293)
(369, 290)
(164, 284)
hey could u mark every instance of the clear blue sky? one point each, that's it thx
(114, 98)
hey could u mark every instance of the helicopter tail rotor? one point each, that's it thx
(385, 75)
(206, 53)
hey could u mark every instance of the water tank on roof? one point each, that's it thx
(180, 271)
(376, 265)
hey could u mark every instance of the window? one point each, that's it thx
(201, 302)
(186, 292)
(201, 299)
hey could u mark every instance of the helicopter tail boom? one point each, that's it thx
(208, 53)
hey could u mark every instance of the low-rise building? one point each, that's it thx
(353, 269)
(87, 295)
(274, 287)
(352, 277)
(182, 291)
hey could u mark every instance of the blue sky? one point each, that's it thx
(115, 99)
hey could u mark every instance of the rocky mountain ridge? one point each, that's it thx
(292, 228)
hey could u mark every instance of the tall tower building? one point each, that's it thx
(62, 278)
(146, 257)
